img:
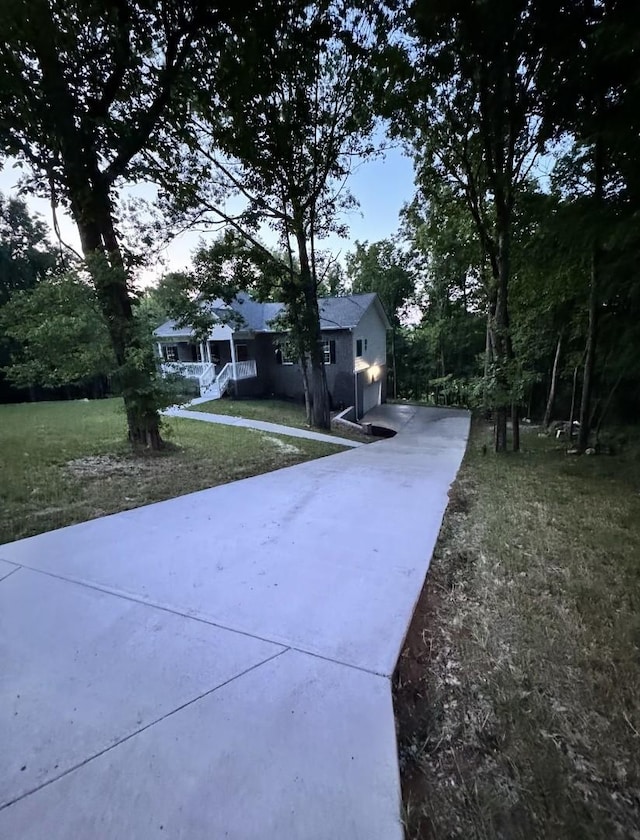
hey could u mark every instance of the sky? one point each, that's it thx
(382, 186)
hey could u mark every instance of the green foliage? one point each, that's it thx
(382, 268)
(26, 255)
(59, 334)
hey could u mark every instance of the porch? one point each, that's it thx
(212, 364)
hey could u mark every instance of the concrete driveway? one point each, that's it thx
(217, 665)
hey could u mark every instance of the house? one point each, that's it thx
(248, 353)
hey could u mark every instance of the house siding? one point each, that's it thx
(371, 328)
(340, 376)
(286, 380)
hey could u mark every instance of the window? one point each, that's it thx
(242, 353)
(329, 350)
(170, 352)
(286, 353)
(359, 347)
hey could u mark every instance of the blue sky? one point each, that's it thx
(381, 185)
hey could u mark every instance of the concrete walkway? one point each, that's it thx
(261, 425)
(217, 665)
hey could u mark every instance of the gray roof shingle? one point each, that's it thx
(336, 313)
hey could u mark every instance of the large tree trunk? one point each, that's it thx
(320, 413)
(135, 368)
(502, 344)
(499, 328)
(592, 327)
(590, 358)
(515, 427)
(572, 410)
(554, 382)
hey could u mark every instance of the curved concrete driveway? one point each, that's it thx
(216, 666)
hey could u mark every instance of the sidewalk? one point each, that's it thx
(261, 425)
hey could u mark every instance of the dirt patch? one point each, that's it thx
(281, 445)
(105, 466)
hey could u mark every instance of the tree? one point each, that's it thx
(26, 255)
(471, 112)
(594, 103)
(283, 141)
(59, 333)
(382, 268)
(86, 89)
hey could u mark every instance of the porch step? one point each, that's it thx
(212, 392)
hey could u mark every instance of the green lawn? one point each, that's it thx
(518, 692)
(271, 411)
(65, 462)
(275, 411)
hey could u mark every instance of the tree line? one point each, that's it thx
(511, 281)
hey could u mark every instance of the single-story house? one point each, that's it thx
(247, 351)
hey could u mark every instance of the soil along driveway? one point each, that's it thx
(218, 665)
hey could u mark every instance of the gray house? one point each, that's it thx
(246, 352)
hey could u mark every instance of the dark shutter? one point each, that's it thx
(359, 347)
(332, 352)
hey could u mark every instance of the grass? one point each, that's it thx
(66, 462)
(271, 411)
(274, 411)
(518, 692)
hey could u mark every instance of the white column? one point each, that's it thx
(233, 358)
(208, 346)
(160, 351)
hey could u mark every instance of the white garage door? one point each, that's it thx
(371, 396)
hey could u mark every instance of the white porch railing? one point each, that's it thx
(191, 370)
(245, 370)
(223, 378)
(205, 373)
(207, 378)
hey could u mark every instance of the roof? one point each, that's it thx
(171, 329)
(344, 312)
(336, 313)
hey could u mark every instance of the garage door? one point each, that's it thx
(371, 396)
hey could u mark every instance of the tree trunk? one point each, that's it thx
(592, 327)
(606, 406)
(320, 414)
(500, 438)
(590, 358)
(573, 401)
(104, 261)
(515, 427)
(501, 346)
(554, 382)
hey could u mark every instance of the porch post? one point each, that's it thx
(202, 352)
(160, 351)
(233, 358)
(208, 347)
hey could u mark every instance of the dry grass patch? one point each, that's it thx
(518, 692)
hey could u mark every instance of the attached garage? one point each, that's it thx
(371, 396)
(369, 389)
